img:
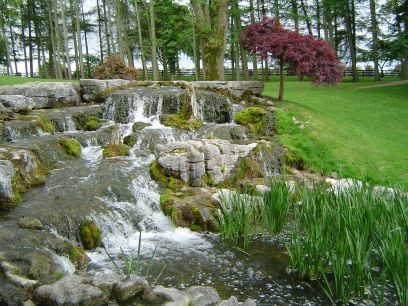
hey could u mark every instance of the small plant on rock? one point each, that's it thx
(112, 150)
(91, 235)
(92, 123)
(71, 146)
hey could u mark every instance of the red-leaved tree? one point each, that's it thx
(304, 54)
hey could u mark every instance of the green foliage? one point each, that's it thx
(91, 235)
(71, 146)
(92, 123)
(177, 121)
(111, 150)
(254, 118)
(157, 174)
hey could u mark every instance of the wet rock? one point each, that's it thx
(19, 129)
(237, 88)
(28, 303)
(45, 94)
(222, 131)
(214, 107)
(100, 137)
(262, 189)
(17, 103)
(232, 301)
(156, 297)
(70, 290)
(105, 282)
(30, 223)
(6, 176)
(249, 302)
(92, 88)
(12, 274)
(191, 160)
(178, 297)
(128, 288)
(203, 296)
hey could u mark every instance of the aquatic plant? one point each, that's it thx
(132, 262)
(237, 217)
(275, 206)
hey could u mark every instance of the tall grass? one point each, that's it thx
(344, 238)
(352, 241)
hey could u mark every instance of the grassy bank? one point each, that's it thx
(356, 133)
(14, 80)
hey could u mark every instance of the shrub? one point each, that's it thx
(115, 68)
(90, 234)
(71, 146)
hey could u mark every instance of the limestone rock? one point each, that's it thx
(130, 287)
(17, 103)
(45, 94)
(105, 282)
(249, 302)
(191, 160)
(237, 88)
(30, 223)
(6, 175)
(178, 297)
(12, 274)
(70, 290)
(91, 88)
(203, 296)
(232, 301)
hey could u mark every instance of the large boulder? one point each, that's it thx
(45, 94)
(6, 176)
(17, 103)
(92, 88)
(191, 160)
(237, 88)
(70, 290)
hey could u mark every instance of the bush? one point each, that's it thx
(91, 235)
(111, 150)
(115, 68)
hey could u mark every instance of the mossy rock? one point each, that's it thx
(252, 117)
(92, 123)
(165, 181)
(71, 146)
(130, 140)
(91, 235)
(77, 255)
(179, 122)
(43, 123)
(111, 150)
(138, 126)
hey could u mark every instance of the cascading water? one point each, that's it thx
(68, 124)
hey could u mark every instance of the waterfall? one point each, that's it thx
(12, 134)
(68, 124)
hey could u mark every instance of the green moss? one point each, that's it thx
(44, 123)
(92, 123)
(71, 146)
(90, 234)
(174, 184)
(254, 118)
(179, 122)
(157, 174)
(115, 150)
(207, 180)
(130, 140)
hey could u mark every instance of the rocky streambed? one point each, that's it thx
(182, 146)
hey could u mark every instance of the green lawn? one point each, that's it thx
(12, 80)
(356, 133)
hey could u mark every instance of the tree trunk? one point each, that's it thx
(374, 31)
(351, 39)
(141, 49)
(100, 29)
(318, 22)
(13, 49)
(281, 80)
(52, 49)
(79, 40)
(196, 53)
(88, 68)
(307, 18)
(154, 41)
(64, 28)
(276, 12)
(105, 21)
(211, 23)
(58, 40)
(23, 42)
(254, 58)
(111, 30)
(295, 14)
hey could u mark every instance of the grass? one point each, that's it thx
(356, 133)
(14, 80)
